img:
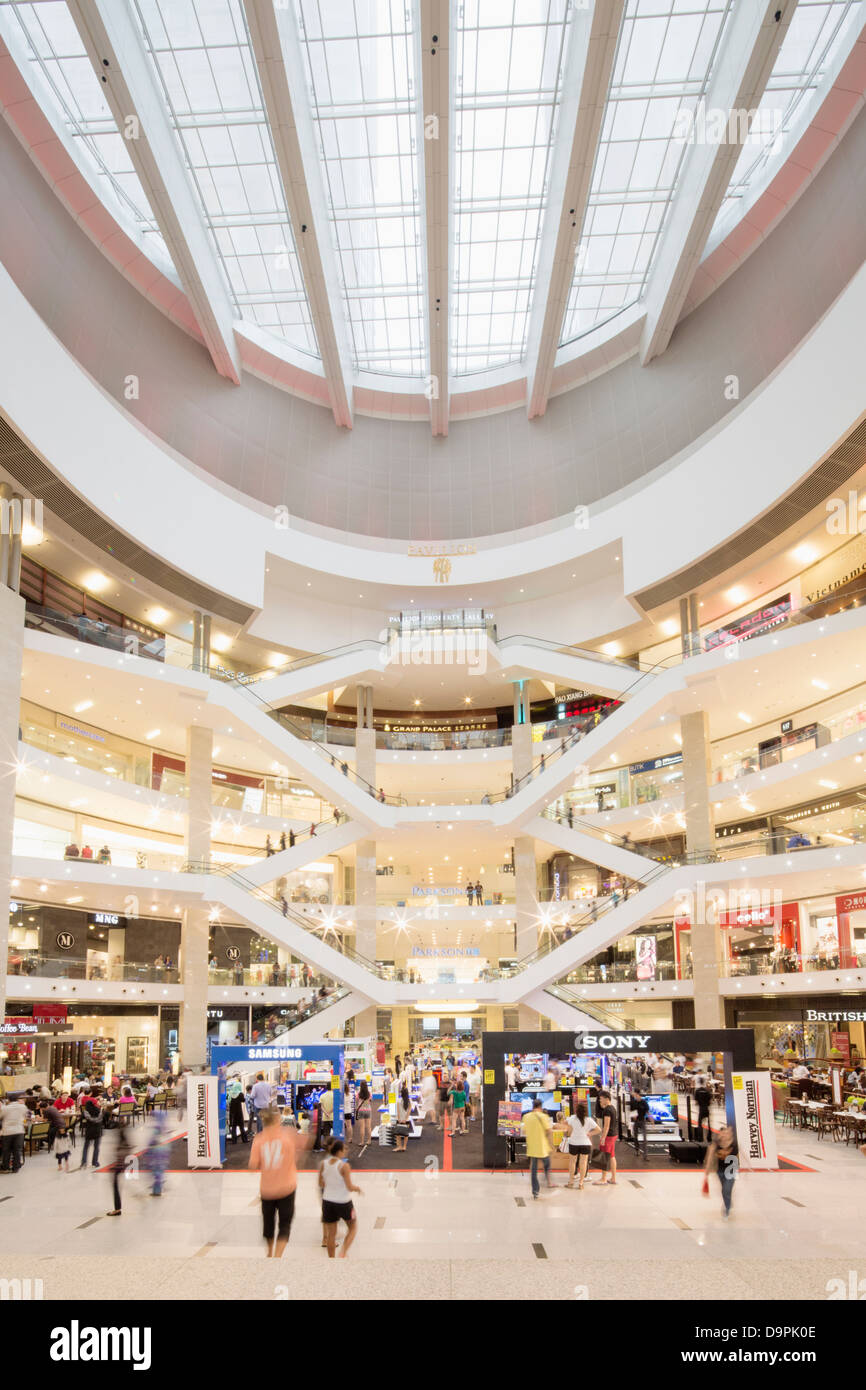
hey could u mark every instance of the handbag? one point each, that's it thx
(705, 1186)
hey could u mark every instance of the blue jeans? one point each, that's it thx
(727, 1185)
(533, 1173)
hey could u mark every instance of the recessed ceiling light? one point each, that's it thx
(805, 554)
(736, 595)
(82, 706)
(158, 616)
(154, 733)
(95, 581)
(746, 718)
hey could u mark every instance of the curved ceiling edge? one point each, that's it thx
(700, 500)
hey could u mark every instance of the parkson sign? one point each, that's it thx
(611, 1042)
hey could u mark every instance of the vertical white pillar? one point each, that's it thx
(526, 901)
(707, 951)
(195, 925)
(11, 646)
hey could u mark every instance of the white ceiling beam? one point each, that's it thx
(435, 103)
(588, 67)
(277, 48)
(116, 49)
(749, 48)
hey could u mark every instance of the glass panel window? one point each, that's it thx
(665, 57)
(361, 58)
(508, 58)
(206, 70)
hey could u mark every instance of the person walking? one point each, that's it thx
(457, 1093)
(62, 1146)
(403, 1127)
(639, 1115)
(607, 1120)
(93, 1116)
(324, 1119)
(13, 1118)
(363, 1113)
(703, 1100)
(537, 1127)
(580, 1132)
(262, 1099)
(235, 1098)
(335, 1183)
(723, 1157)
(445, 1104)
(269, 849)
(274, 1155)
(122, 1153)
(349, 1105)
(479, 893)
(470, 893)
(428, 1097)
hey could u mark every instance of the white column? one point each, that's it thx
(11, 645)
(521, 734)
(707, 952)
(365, 853)
(526, 901)
(195, 925)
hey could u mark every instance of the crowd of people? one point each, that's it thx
(92, 1110)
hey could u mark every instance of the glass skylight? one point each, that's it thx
(666, 54)
(205, 65)
(360, 92)
(819, 31)
(54, 46)
(508, 61)
(362, 61)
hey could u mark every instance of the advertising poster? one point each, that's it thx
(203, 1136)
(510, 1119)
(753, 1110)
(840, 1042)
(646, 957)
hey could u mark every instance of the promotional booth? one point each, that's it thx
(299, 1074)
(563, 1069)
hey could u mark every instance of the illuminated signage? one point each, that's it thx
(611, 1042)
(750, 625)
(443, 952)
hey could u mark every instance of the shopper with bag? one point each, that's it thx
(578, 1143)
(723, 1157)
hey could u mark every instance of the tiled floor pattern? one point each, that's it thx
(449, 1235)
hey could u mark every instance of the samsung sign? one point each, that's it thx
(611, 1042)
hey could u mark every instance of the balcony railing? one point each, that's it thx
(33, 963)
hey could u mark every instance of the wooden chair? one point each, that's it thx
(38, 1135)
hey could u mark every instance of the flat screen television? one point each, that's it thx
(307, 1097)
(660, 1111)
(526, 1099)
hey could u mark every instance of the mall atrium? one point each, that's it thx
(433, 499)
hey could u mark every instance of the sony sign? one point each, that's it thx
(611, 1042)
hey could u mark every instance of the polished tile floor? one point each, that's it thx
(448, 1235)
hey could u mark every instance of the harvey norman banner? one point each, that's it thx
(756, 1128)
(203, 1135)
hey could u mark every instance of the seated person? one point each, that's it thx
(104, 855)
(87, 852)
(71, 851)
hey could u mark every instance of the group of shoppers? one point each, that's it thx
(474, 893)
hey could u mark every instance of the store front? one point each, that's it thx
(77, 944)
(565, 1068)
(824, 1027)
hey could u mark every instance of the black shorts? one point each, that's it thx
(332, 1212)
(284, 1207)
(580, 1149)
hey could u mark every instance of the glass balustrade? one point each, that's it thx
(34, 963)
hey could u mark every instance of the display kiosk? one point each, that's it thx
(299, 1074)
(592, 1058)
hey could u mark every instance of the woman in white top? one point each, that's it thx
(580, 1132)
(429, 1093)
(335, 1182)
